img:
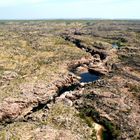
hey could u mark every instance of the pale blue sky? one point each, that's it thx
(58, 9)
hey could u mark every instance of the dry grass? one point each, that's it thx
(32, 57)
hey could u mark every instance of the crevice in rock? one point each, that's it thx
(70, 83)
(111, 130)
(78, 43)
(65, 88)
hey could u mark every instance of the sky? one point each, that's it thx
(69, 9)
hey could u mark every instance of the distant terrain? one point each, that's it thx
(70, 80)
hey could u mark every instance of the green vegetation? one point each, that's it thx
(90, 115)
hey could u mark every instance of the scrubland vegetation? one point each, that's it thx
(41, 96)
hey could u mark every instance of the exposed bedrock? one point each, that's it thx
(31, 97)
(102, 54)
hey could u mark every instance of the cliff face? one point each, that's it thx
(41, 94)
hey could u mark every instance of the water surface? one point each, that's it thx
(88, 77)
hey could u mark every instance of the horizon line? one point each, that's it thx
(70, 19)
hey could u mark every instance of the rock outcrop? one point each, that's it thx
(102, 54)
(31, 97)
